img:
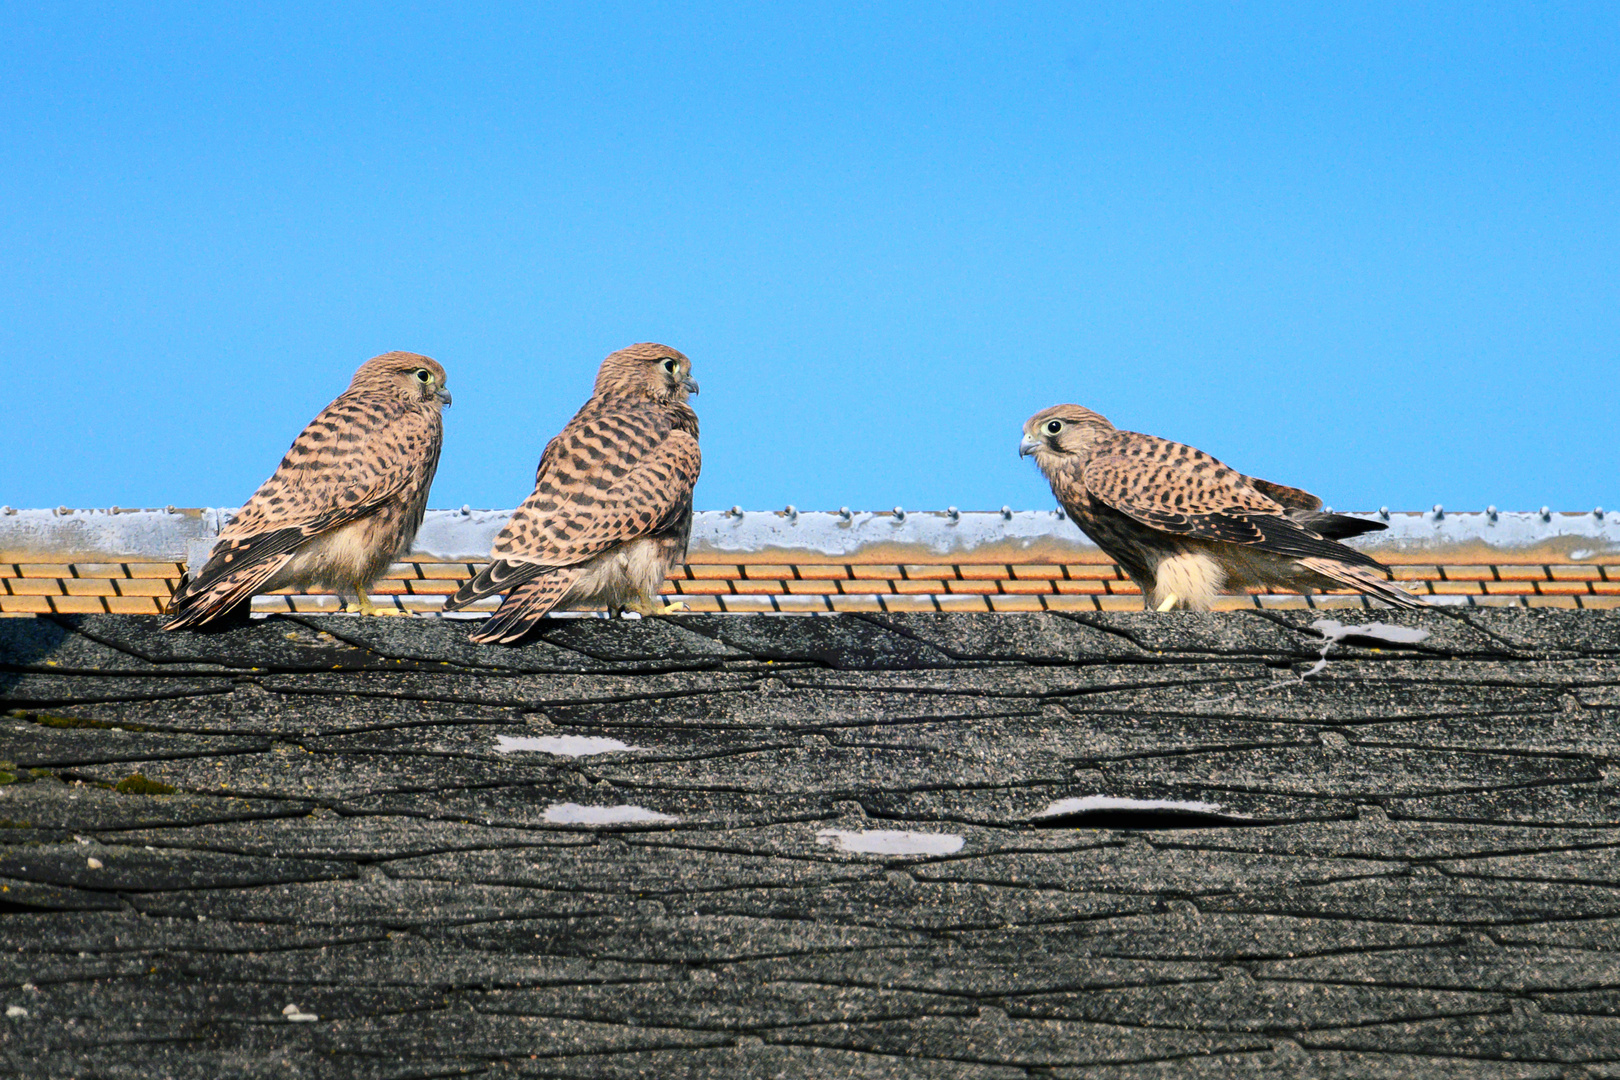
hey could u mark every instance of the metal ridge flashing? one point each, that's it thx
(182, 535)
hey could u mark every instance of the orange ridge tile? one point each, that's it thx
(822, 572)
(812, 588)
(708, 571)
(44, 570)
(140, 605)
(34, 586)
(1070, 603)
(1093, 571)
(154, 569)
(1563, 588)
(77, 605)
(88, 587)
(98, 569)
(703, 587)
(144, 587)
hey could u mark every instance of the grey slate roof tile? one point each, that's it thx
(832, 850)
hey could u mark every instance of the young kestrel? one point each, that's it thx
(611, 510)
(348, 497)
(1185, 527)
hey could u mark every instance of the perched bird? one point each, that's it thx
(348, 497)
(611, 510)
(1185, 527)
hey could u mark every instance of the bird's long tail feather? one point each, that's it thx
(208, 596)
(523, 607)
(1364, 580)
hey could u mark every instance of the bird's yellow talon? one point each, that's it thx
(364, 606)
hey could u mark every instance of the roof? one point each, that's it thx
(920, 845)
(129, 562)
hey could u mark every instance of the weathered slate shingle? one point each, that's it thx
(880, 845)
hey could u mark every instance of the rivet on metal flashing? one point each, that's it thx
(1439, 511)
(735, 511)
(1327, 509)
(953, 513)
(112, 509)
(792, 512)
(1006, 512)
(843, 512)
(62, 511)
(1546, 514)
(1490, 512)
(7, 510)
(1598, 513)
(899, 514)
(168, 509)
(1383, 512)
(1058, 512)
(466, 510)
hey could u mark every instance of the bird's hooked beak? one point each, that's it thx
(690, 384)
(1028, 446)
(443, 395)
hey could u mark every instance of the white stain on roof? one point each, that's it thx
(886, 842)
(1088, 803)
(561, 745)
(574, 814)
(1333, 631)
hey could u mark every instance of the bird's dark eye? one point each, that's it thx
(669, 365)
(422, 375)
(1054, 427)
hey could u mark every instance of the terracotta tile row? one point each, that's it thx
(143, 587)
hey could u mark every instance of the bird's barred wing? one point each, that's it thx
(357, 456)
(616, 473)
(1291, 497)
(1183, 491)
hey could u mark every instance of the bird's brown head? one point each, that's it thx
(418, 379)
(647, 370)
(1063, 431)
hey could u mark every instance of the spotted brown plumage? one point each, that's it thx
(611, 510)
(348, 497)
(1185, 526)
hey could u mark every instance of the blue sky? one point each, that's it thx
(1373, 250)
